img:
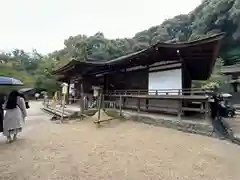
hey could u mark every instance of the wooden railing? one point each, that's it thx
(158, 92)
(172, 101)
(230, 69)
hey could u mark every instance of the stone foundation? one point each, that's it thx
(203, 128)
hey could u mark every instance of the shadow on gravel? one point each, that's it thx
(109, 124)
(21, 142)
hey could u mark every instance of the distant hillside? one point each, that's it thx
(212, 16)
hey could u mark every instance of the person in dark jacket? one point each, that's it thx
(1, 112)
(217, 120)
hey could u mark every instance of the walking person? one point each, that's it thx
(73, 95)
(1, 112)
(45, 98)
(25, 99)
(86, 102)
(14, 118)
(37, 95)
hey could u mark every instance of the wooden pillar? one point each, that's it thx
(186, 84)
(99, 106)
(180, 105)
(120, 105)
(124, 102)
(67, 95)
(106, 88)
(125, 78)
(180, 109)
(206, 109)
(235, 87)
(147, 104)
(235, 83)
(81, 97)
(106, 84)
(138, 104)
(186, 79)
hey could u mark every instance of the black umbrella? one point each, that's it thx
(6, 81)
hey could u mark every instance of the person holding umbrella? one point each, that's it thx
(15, 109)
(14, 118)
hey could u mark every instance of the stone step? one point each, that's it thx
(68, 109)
(59, 110)
(56, 112)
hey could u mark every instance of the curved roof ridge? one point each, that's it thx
(135, 55)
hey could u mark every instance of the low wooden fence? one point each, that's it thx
(173, 101)
(178, 105)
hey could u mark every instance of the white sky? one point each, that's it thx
(44, 24)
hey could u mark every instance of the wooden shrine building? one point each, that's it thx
(154, 76)
(233, 73)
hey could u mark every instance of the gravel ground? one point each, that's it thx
(117, 150)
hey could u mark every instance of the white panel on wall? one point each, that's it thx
(170, 79)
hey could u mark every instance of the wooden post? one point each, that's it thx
(180, 109)
(63, 106)
(180, 104)
(138, 104)
(124, 102)
(81, 99)
(120, 106)
(147, 104)
(102, 102)
(99, 107)
(206, 110)
(68, 95)
(64, 93)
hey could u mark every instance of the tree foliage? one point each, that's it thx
(44, 78)
(217, 79)
(32, 68)
(20, 65)
(211, 17)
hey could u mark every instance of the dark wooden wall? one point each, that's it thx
(128, 80)
(137, 80)
(133, 80)
(186, 79)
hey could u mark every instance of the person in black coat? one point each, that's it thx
(217, 112)
(1, 111)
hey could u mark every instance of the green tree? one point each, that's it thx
(210, 17)
(217, 79)
(44, 78)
